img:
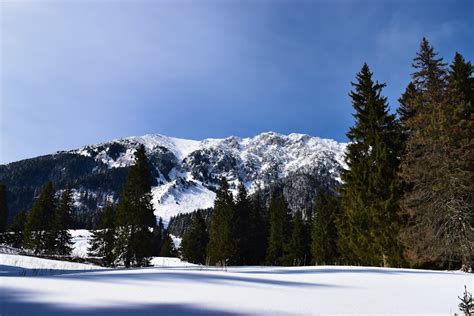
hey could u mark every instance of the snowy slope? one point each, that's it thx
(237, 291)
(188, 171)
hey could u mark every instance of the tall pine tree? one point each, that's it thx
(167, 248)
(195, 240)
(158, 238)
(222, 244)
(135, 218)
(457, 199)
(39, 220)
(257, 232)
(279, 228)
(61, 223)
(370, 192)
(241, 226)
(435, 159)
(103, 238)
(324, 230)
(296, 250)
(17, 228)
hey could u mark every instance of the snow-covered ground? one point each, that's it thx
(17, 265)
(34, 286)
(195, 290)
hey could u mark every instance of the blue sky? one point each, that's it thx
(81, 72)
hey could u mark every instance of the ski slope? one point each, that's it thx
(192, 290)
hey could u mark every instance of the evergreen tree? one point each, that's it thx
(429, 77)
(167, 248)
(3, 208)
(39, 220)
(457, 199)
(104, 237)
(437, 164)
(370, 192)
(135, 218)
(296, 249)
(257, 232)
(17, 228)
(324, 230)
(194, 243)
(222, 245)
(241, 227)
(60, 238)
(158, 238)
(279, 228)
(467, 303)
(409, 101)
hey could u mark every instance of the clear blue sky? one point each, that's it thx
(80, 72)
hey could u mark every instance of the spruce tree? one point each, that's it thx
(195, 240)
(257, 232)
(222, 244)
(457, 199)
(241, 227)
(39, 220)
(61, 239)
(135, 218)
(467, 303)
(324, 230)
(437, 164)
(296, 249)
(3, 208)
(429, 77)
(17, 228)
(279, 228)
(158, 238)
(104, 237)
(167, 248)
(409, 101)
(370, 192)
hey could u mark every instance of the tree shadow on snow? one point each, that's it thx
(350, 269)
(19, 303)
(199, 277)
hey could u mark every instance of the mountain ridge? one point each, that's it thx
(186, 171)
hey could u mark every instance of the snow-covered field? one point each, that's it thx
(177, 289)
(34, 286)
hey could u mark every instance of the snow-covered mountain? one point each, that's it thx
(187, 171)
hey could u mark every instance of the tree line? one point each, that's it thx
(243, 231)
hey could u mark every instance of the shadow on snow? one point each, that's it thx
(18, 303)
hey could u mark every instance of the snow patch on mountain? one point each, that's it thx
(173, 198)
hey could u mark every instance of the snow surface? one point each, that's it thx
(26, 265)
(188, 290)
(35, 286)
